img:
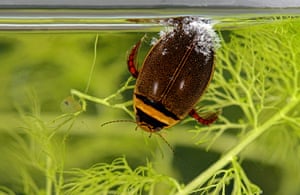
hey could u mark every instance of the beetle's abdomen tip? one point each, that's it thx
(204, 37)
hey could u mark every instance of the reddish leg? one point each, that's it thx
(131, 64)
(205, 121)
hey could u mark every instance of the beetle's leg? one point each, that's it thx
(131, 60)
(204, 121)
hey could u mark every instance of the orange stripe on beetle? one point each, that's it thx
(146, 109)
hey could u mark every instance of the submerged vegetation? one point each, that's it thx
(256, 85)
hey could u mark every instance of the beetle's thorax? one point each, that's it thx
(151, 115)
(148, 123)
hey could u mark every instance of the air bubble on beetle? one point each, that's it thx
(164, 52)
(154, 40)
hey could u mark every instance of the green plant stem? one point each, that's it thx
(227, 158)
(48, 175)
(104, 101)
(93, 64)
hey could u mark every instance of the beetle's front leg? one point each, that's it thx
(204, 121)
(131, 60)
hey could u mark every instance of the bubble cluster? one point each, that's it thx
(204, 36)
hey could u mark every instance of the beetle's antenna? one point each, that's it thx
(164, 139)
(117, 121)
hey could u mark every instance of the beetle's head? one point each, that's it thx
(151, 125)
(148, 123)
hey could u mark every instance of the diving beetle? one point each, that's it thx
(174, 74)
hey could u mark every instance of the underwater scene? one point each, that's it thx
(68, 125)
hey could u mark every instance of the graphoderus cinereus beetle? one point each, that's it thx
(174, 74)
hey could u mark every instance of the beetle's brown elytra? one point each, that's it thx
(174, 74)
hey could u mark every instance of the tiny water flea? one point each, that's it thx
(174, 74)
